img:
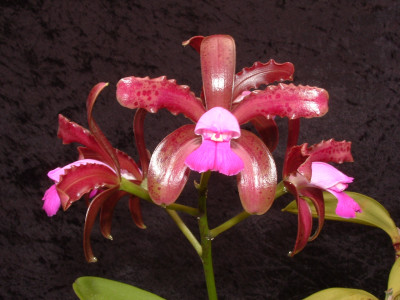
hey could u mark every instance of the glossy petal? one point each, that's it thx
(284, 100)
(257, 181)
(110, 156)
(262, 73)
(304, 221)
(52, 201)
(91, 214)
(215, 156)
(167, 170)
(218, 61)
(154, 94)
(80, 180)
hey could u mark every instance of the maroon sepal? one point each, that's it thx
(91, 214)
(304, 221)
(136, 212)
(262, 73)
(79, 180)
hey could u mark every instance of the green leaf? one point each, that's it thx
(373, 213)
(394, 279)
(96, 288)
(341, 294)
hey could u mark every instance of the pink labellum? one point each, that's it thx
(332, 180)
(52, 201)
(217, 127)
(214, 156)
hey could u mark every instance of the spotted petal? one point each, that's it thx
(167, 170)
(284, 100)
(154, 94)
(257, 181)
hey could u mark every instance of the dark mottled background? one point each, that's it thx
(53, 52)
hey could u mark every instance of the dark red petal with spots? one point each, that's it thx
(154, 94)
(284, 100)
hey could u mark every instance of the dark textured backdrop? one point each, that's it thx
(53, 52)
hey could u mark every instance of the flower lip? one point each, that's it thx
(218, 124)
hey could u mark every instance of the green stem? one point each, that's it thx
(280, 191)
(186, 231)
(142, 193)
(206, 239)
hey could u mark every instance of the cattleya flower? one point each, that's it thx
(217, 142)
(96, 174)
(307, 174)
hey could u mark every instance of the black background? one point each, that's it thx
(53, 52)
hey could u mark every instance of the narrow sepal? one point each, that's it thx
(268, 131)
(262, 73)
(283, 100)
(293, 136)
(218, 61)
(317, 199)
(136, 212)
(304, 220)
(167, 170)
(257, 181)
(80, 180)
(138, 131)
(154, 94)
(103, 142)
(107, 211)
(91, 214)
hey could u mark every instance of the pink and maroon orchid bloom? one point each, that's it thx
(217, 142)
(96, 174)
(307, 173)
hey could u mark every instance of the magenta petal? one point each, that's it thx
(257, 181)
(218, 61)
(326, 177)
(167, 170)
(346, 207)
(284, 100)
(52, 201)
(154, 94)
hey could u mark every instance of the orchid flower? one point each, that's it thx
(97, 174)
(217, 142)
(307, 174)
